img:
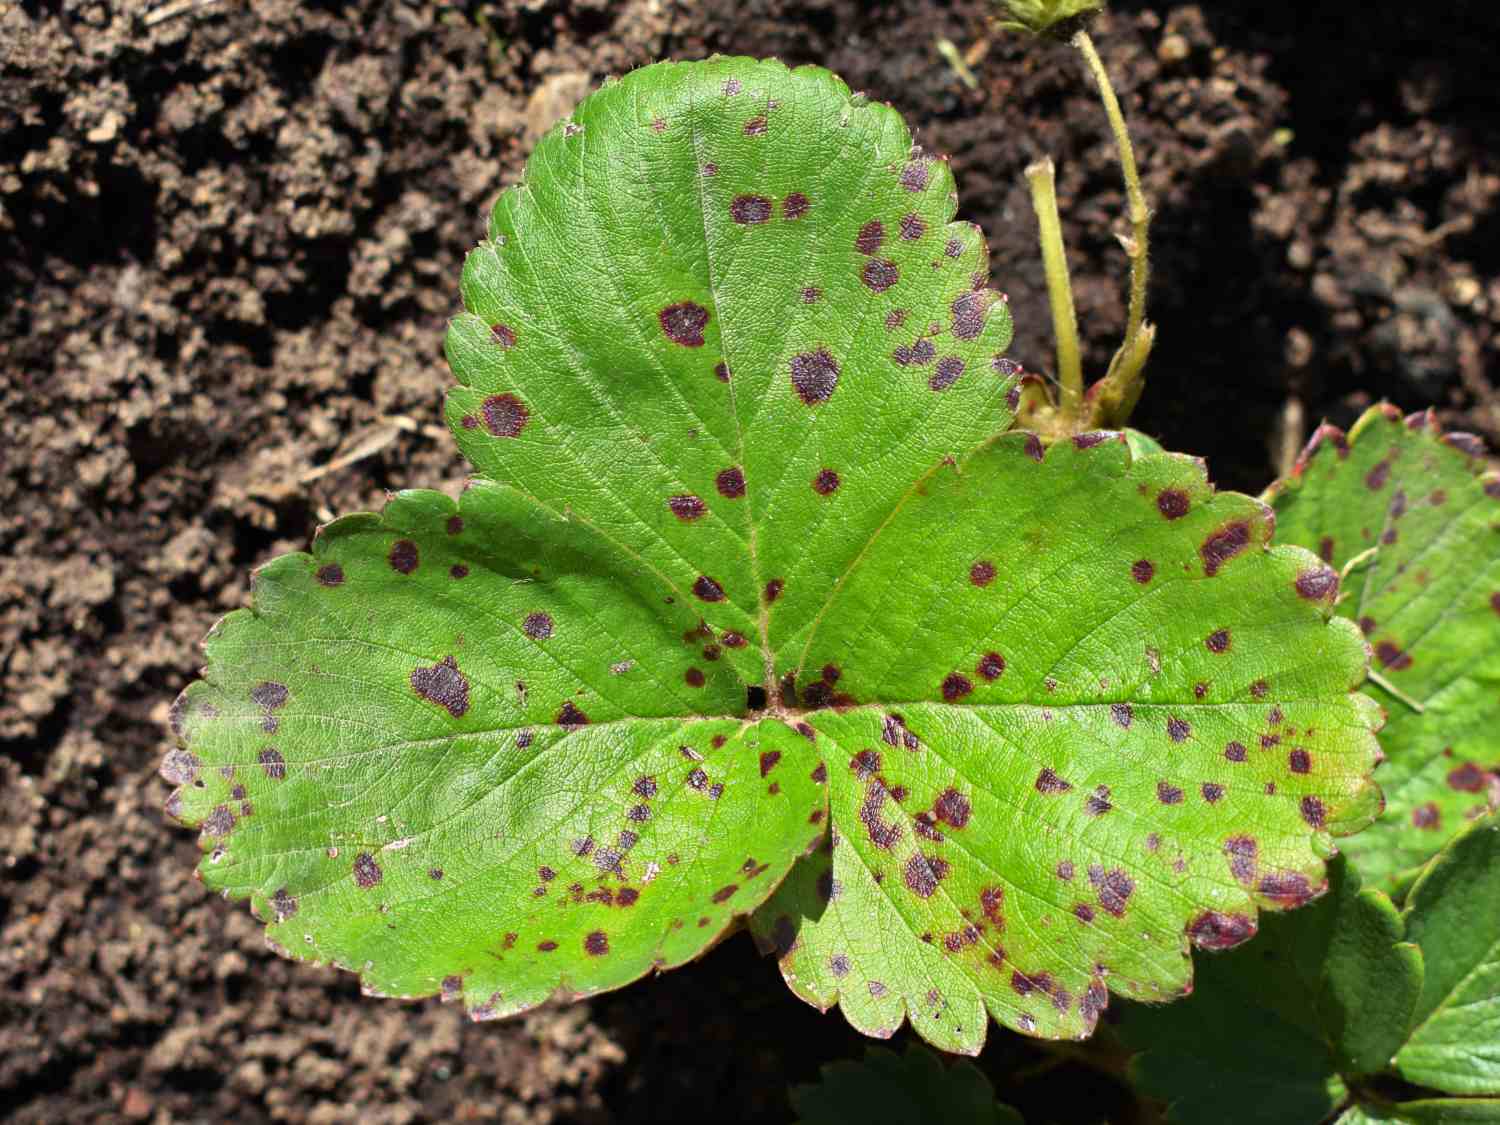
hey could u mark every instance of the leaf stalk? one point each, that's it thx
(1042, 179)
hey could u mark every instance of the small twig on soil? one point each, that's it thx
(171, 11)
(367, 444)
(955, 61)
(1042, 178)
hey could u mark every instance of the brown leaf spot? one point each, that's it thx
(505, 416)
(1317, 585)
(687, 507)
(1467, 778)
(504, 335)
(1048, 782)
(1213, 930)
(1142, 570)
(1218, 641)
(1299, 761)
(952, 808)
(570, 716)
(748, 210)
(794, 206)
(1313, 811)
(1178, 730)
(773, 590)
(683, 323)
(1223, 545)
(596, 944)
(947, 372)
(870, 237)
(991, 666)
(444, 685)
(1428, 817)
(826, 483)
(403, 556)
(1168, 794)
(1391, 656)
(330, 574)
(1172, 503)
(366, 871)
(982, 573)
(955, 686)
(707, 589)
(922, 874)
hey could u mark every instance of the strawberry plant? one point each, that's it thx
(759, 611)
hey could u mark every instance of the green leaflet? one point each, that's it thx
(746, 558)
(1333, 1002)
(1429, 602)
(885, 1088)
(1273, 1031)
(1454, 913)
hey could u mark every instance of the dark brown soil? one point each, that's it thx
(230, 236)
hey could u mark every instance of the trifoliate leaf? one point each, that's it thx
(890, 1089)
(1429, 603)
(1454, 914)
(1275, 1031)
(747, 557)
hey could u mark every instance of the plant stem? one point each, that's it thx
(1124, 371)
(1041, 176)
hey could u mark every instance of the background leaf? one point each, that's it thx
(1429, 603)
(1454, 913)
(890, 1089)
(1273, 1031)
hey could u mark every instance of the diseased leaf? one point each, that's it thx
(890, 1089)
(1429, 603)
(746, 557)
(1454, 914)
(1274, 1031)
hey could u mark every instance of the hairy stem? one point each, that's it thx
(1042, 179)
(1123, 382)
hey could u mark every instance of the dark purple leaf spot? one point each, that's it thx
(366, 871)
(731, 482)
(748, 210)
(919, 354)
(537, 626)
(1223, 545)
(1142, 570)
(1391, 656)
(1325, 548)
(755, 127)
(1235, 751)
(826, 483)
(284, 903)
(1313, 811)
(1285, 888)
(948, 370)
(1098, 802)
(331, 574)
(968, 315)
(794, 206)
(403, 556)
(895, 319)
(914, 176)
(815, 374)
(811, 295)
(687, 508)
(523, 738)
(596, 944)
(721, 371)
(1172, 503)
(1113, 889)
(444, 685)
(568, 716)
(882, 833)
(683, 323)
(1299, 761)
(178, 767)
(1212, 792)
(1427, 817)
(1316, 585)
(1212, 930)
(1168, 794)
(768, 760)
(220, 822)
(707, 589)
(870, 237)
(1218, 641)
(773, 590)
(734, 640)
(273, 763)
(1178, 729)
(1065, 869)
(952, 808)
(504, 335)
(1048, 782)
(458, 570)
(645, 786)
(694, 677)
(1375, 479)
(991, 666)
(505, 416)
(922, 874)
(1243, 853)
(953, 248)
(982, 573)
(838, 965)
(1467, 778)
(880, 274)
(1033, 448)
(724, 894)
(912, 227)
(956, 686)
